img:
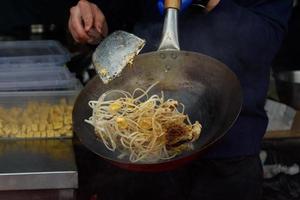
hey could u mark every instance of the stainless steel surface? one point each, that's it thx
(288, 88)
(64, 194)
(37, 164)
(169, 39)
(209, 90)
(114, 53)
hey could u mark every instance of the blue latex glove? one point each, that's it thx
(184, 4)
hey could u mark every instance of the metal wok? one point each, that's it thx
(209, 90)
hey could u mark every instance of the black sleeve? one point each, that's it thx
(256, 29)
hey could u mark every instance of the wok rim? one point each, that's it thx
(194, 152)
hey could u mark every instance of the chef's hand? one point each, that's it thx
(87, 23)
(211, 5)
(186, 3)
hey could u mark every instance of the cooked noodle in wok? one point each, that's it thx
(145, 128)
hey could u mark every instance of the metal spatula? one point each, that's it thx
(114, 53)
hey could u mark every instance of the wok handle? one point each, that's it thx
(169, 40)
(172, 4)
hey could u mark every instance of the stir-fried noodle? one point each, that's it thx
(145, 128)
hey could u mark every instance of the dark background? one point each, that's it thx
(17, 16)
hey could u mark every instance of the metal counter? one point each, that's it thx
(37, 164)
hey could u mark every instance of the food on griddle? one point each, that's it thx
(37, 120)
(145, 128)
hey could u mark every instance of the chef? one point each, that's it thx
(243, 34)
